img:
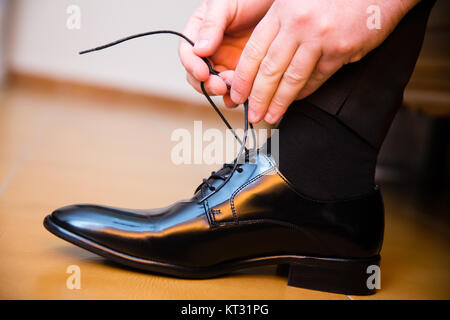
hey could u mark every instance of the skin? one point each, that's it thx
(275, 52)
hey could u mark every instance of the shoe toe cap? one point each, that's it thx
(104, 225)
(77, 218)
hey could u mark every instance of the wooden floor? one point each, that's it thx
(59, 147)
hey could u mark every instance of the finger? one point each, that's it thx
(324, 70)
(227, 77)
(194, 64)
(293, 80)
(311, 86)
(252, 55)
(228, 102)
(214, 86)
(191, 62)
(213, 26)
(270, 71)
(193, 82)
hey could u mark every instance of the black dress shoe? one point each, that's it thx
(244, 215)
(257, 218)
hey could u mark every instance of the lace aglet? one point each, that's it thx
(89, 50)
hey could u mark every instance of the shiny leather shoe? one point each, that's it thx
(242, 216)
(257, 218)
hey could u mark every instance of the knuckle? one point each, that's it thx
(208, 24)
(300, 17)
(239, 90)
(322, 70)
(277, 105)
(293, 77)
(268, 68)
(256, 99)
(325, 25)
(240, 81)
(344, 47)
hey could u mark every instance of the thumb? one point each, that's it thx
(215, 21)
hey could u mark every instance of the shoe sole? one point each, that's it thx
(344, 276)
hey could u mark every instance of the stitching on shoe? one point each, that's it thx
(258, 221)
(274, 168)
(213, 213)
(233, 208)
(211, 220)
(280, 175)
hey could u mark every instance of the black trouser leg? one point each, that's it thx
(329, 142)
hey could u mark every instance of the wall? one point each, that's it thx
(41, 43)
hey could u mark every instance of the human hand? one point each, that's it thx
(220, 29)
(299, 44)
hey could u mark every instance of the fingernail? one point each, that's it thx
(201, 44)
(268, 118)
(236, 97)
(252, 115)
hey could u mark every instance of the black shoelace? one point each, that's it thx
(228, 169)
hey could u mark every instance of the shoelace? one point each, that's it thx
(228, 169)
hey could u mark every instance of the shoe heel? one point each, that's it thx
(344, 276)
(283, 270)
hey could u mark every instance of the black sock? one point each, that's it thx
(330, 152)
(322, 157)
